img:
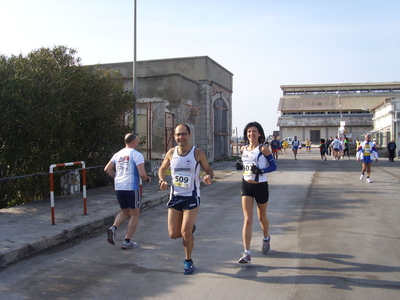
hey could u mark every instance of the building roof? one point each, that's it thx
(342, 86)
(328, 103)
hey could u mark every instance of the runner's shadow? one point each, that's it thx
(340, 280)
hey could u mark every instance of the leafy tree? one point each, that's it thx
(54, 110)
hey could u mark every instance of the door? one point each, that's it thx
(169, 131)
(221, 133)
(315, 136)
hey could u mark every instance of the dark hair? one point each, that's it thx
(129, 138)
(187, 127)
(261, 138)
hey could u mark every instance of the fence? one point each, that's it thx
(22, 189)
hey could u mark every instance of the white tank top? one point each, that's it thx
(253, 157)
(185, 171)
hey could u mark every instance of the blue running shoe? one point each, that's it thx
(188, 267)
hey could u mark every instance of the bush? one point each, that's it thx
(54, 110)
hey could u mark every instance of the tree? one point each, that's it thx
(54, 110)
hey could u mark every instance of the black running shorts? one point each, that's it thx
(258, 191)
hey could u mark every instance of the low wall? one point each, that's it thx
(152, 167)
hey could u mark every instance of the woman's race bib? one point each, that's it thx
(247, 169)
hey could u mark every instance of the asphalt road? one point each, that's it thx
(333, 237)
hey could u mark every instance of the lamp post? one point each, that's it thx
(342, 123)
(134, 70)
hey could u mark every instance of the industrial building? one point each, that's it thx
(318, 111)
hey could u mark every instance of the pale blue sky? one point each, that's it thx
(264, 43)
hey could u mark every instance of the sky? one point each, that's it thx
(264, 43)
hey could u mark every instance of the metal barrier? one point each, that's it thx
(51, 176)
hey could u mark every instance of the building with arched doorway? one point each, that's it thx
(196, 91)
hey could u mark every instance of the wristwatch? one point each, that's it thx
(148, 179)
(161, 181)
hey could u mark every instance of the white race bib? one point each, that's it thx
(182, 180)
(247, 169)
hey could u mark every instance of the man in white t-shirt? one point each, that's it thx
(127, 167)
(336, 148)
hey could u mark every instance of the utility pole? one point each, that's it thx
(134, 70)
(342, 123)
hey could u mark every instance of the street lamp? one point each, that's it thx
(342, 123)
(134, 70)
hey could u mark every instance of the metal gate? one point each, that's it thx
(221, 133)
(169, 131)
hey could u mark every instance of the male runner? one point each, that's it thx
(366, 152)
(126, 166)
(185, 161)
(295, 147)
(275, 144)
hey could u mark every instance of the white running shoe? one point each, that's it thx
(130, 245)
(111, 232)
(368, 180)
(266, 246)
(245, 259)
(362, 177)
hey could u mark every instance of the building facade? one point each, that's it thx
(318, 111)
(386, 120)
(192, 90)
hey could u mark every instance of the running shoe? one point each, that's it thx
(325, 158)
(188, 267)
(266, 246)
(111, 232)
(130, 245)
(245, 259)
(362, 177)
(368, 180)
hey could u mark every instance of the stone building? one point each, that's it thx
(318, 111)
(192, 90)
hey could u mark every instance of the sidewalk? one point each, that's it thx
(27, 229)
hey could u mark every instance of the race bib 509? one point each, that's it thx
(182, 180)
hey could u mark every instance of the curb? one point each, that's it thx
(29, 249)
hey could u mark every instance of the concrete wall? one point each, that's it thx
(196, 68)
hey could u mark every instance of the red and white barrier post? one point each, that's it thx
(51, 176)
